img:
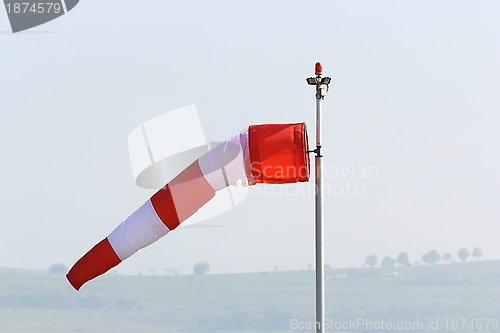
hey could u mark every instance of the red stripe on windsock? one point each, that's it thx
(100, 259)
(182, 197)
(165, 208)
(279, 153)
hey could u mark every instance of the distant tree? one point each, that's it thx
(371, 260)
(403, 259)
(432, 257)
(447, 257)
(387, 262)
(463, 254)
(477, 253)
(200, 268)
(310, 266)
(58, 269)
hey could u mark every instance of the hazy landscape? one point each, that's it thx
(35, 301)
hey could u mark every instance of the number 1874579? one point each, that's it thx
(35, 8)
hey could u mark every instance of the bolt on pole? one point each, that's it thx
(322, 84)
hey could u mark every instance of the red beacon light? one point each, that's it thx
(318, 69)
(318, 80)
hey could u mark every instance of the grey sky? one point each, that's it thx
(414, 94)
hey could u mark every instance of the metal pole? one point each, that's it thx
(318, 81)
(320, 274)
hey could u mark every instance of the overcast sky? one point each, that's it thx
(414, 97)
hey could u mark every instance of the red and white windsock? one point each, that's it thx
(272, 153)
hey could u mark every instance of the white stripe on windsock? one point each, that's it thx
(137, 231)
(228, 163)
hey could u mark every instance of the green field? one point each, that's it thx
(258, 302)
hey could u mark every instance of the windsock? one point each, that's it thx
(271, 153)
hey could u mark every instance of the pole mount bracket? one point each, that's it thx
(317, 151)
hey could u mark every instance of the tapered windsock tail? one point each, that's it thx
(271, 153)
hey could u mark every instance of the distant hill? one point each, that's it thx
(472, 272)
(255, 302)
(22, 270)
